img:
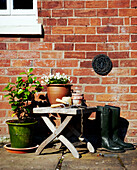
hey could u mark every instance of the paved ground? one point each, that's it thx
(53, 159)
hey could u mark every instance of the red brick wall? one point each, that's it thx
(74, 33)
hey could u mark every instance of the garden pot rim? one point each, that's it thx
(59, 84)
(16, 123)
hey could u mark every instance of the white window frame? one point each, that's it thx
(19, 21)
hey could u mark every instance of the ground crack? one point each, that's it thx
(121, 163)
(59, 164)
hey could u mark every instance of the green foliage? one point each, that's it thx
(21, 92)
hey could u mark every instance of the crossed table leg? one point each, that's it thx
(56, 132)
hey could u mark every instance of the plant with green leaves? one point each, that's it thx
(21, 93)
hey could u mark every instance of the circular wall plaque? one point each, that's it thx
(102, 64)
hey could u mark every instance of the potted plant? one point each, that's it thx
(21, 97)
(58, 86)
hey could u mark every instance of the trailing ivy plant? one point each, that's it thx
(21, 93)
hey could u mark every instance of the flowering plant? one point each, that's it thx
(21, 92)
(56, 79)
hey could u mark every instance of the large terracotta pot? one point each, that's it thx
(55, 91)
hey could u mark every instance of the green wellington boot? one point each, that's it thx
(106, 142)
(115, 112)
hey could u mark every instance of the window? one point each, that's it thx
(19, 17)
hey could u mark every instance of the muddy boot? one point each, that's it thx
(105, 121)
(115, 124)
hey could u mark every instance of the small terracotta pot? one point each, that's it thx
(55, 91)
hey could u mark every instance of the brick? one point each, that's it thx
(8, 39)
(4, 63)
(74, 4)
(119, 4)
(22, 63)
(2, 71)
(119, 72)
(62, 30)
(118, 55)
(126, 21)
(133, 21)
(44, 63)
(67, 63)
(57, 55)
(106, 97)
(88, 96)
(128, 12)
(125, 46)
(85, 47)
(2, 46)
(88, 80)
(85, 13)
(63, 46)
(8, 54)
(44, 13)
(107, 12)
(128, 97)
(128, 80)
(29, 39)
(66, 71)
(2, 113)
(112, 21)
(133, 89)
(124, 29)
(41, 71)
(133, 29)
(133, 71)
(133, 106)
(85, 30)
(78, 21)
(51, 22)
(62, 13)
(95, 21)
(62, 22)
(133, 38)
(78, 55)
(107, 47)
(4, 105)
(83, 72)
(40, 46)
(96, 38)
(133, 3)
(47, 30)
(133, 46)
(52, 4)
(28, 54)
(53, 38)
(107, 30)
(4, 79)
(118, 38)
(96, 4)
(86, 64)
(95, 89)
(128, 63)
(14, 71)
(115, 63)
(91, 55)
(118, 89)
(109, 80)
(18, 46)
(74, 38)
(133, 54)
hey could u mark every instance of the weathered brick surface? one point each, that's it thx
(74, 32)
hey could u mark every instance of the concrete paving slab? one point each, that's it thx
(51, 157)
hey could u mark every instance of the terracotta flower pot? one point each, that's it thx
(55, 91)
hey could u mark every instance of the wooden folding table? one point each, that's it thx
(56, 132)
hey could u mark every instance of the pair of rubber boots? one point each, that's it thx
(108, 117)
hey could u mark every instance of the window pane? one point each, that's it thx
(22, 4)
(3, 4)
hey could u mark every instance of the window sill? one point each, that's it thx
(34, 29)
